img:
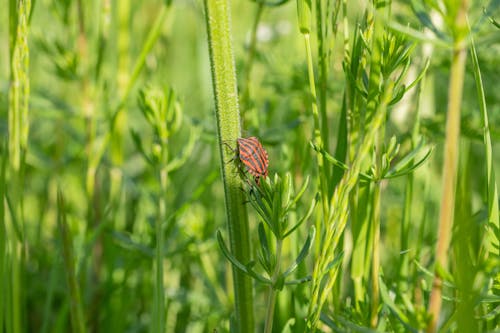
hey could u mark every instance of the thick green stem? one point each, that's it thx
(451, 149)
(228, 129)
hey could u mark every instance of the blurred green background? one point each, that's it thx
(83, 105)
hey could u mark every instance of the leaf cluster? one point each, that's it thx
(273, 200)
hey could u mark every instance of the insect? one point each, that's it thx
(253, 156)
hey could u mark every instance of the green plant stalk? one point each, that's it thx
(405, 233)
(3, 238)
(271, 298)
(77, 320)
(19, 89)
(51, 286)
(404, 269)
(375, 221)
(492, 190)
(360, 196)
(451, 150)
(123, 81)
(16, 297)
(360, 222)
(466, 244)
(217, 17)
(322, 79)
(324, 277)
(304, 21)
(371, 108)
(245, 97)
(341, 144)
(85, 85)
(317, 133)
(126, 83)
(375, 290)
(86, 101)
(88, 115)
(114, 132)
(151, 39)
(18, 125)
(160, 313)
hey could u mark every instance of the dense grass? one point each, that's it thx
(125, 208)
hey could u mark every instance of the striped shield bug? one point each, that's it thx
(253, 156)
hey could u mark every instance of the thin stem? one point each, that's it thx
(451, 150)
(151, 39)
(379, 140)
(492, 190)
(18, 129)
(160, 290)
(375, 255)
(3, 242)
(317, 135)
(271, 298)
(119, 126)
(77, 319)
(324, 277)
(323, 75)
(245, 96)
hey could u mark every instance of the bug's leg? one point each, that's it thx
(232, 150)
(228, 146)
(247, 196)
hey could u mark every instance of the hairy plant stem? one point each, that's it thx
(451, 151)
(217, 17)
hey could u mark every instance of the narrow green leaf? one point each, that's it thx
(492, 190)
(407, 164)
(303, 252)
(247, 269)
(305, 217)
(138, 144)
(264, 249)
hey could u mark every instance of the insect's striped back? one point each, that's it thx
(253, 156)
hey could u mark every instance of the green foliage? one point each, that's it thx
(124, 211)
